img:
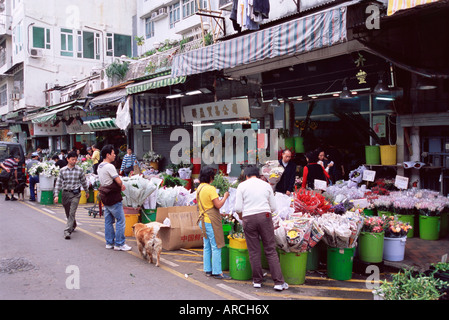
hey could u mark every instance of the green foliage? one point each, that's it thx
(221, 183)
(170, 181)
(117, 70)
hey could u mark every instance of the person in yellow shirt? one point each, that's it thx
(95, 157)
(209, 220)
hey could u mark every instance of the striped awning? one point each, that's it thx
(301, 35)
(396, 5)
(154, 84)
(51, 112)
(149, 110)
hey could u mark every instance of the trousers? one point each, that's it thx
(260, 227)
(70, 203)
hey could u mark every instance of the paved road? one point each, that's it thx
(32, 238)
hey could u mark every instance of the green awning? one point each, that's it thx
(103, 124)
(154, 84)
(50, 114)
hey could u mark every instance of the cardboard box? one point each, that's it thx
(184, 231)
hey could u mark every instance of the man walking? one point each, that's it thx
(70, 180)
(255, 201)
(110, 190)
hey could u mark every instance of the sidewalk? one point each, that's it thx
(419, 253)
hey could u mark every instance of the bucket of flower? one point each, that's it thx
(395, 239)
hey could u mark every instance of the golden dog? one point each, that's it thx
(148, 240)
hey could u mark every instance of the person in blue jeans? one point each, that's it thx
(110, 189)
(210, 223)
(33, 179)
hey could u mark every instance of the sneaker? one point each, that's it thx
(7, 198)
(67, 236)
(222, 276)
(257, 285)
(280, 287)
(13, 199)
(124, 247)
(109, 246)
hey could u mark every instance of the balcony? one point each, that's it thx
(225, 5)
(5, 25)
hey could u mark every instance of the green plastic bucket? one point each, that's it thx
(226, 230)
(429, 227)
(381, 213)
(368, 212)
(225, 258)
(299, 144)
(148, 215)
(293, 266)
(290, 143)
(371, 246)
(239, 264)
(444, 225)
(372, 154)
(313, 259)
(47, 197)
(410, 219)
(340, 263)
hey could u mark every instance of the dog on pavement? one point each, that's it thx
(20, 190)
(148, 241)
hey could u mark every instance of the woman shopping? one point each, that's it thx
(313, 171)
(210, 223)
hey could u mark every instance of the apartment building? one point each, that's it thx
(48, 43)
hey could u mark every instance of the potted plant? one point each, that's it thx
(407, 285)
(395, 238)
(371, 240)
(152, 158)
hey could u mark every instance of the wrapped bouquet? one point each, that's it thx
(272, 171)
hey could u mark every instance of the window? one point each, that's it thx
(41, 38)
(109, 45)
(122, 45)
(189, 7)
(17, 38)
(67, 43)
(3, 95)
(91, 45)
(174, 13)
(149, 28)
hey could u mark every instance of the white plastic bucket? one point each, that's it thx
(46, 183)
(394, 249)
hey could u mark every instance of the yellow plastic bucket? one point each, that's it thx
(388, 155)
(237, 243)
(83, 199)
(130, 220)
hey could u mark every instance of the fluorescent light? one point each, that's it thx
(149, 130)
(174, 96)
(203, 124)
(237, 122)
(385, 98)
(194, 92)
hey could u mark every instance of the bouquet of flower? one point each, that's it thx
(395, 228)
(374, 225)
(152, 156)
(306, 201)
(45, 168)
(341, 231)
(87, 166)
(357, 174)
(382, 203)
(272, 171)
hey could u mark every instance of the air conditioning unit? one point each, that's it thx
(104, 80)
(162, 10)
(94, 86)
(154, 14)
(36, 53)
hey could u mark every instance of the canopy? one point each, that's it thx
(154, 84)
(50, 113)
(301, 35)
(112, 97)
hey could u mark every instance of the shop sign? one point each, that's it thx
(48, 129)
(77, 127)
(220, 110)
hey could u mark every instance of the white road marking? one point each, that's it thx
(238, 292)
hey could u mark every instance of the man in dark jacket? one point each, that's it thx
(287, 183)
